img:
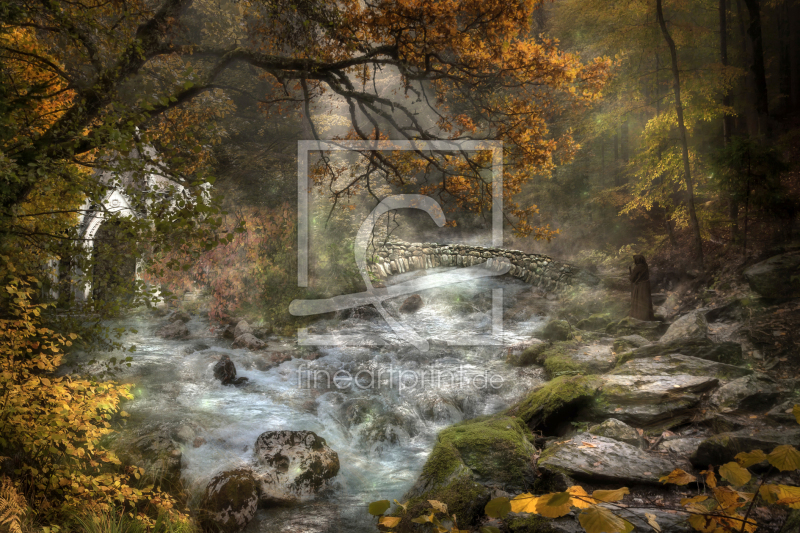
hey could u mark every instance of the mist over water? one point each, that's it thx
(383, 425)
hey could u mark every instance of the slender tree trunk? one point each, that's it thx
(749, 88)
(794, 54)
(759, 72)
(733, 206)
(687, 172)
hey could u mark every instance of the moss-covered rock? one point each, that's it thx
(631, 326)
(555, 401)
(532, 355)
(556, 330)
(230, 502)
(575, 358)
(596, 322)
(467, 459)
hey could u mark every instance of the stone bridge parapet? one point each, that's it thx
(396, 257)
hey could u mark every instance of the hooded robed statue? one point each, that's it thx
(641, 303)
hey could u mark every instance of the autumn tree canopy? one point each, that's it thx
(88, 79)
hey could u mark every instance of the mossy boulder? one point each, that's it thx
(578, 359)
(532, 355)
(468, 460)
(547, 407)
(230, 502)
(630, 326)
(556, 330)
(596, 322)
(152, 448)
(754, 393)
(776, 277)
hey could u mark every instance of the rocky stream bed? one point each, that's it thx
(222, 416)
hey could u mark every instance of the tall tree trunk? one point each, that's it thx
(794, 54)
(733, 205)
(687, 172)
(759, 72)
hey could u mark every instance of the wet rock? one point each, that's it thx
(411, 304)
(723, 352)
(262, 332)
(722, 448)
(596, 322)
(173, 330)
(293, 466)
(630, 326)
(180, 316)
(688, 327)
(230, 502)
(364, 312)
(241, 328)
(199, 441)
(606, 460)
(248, 341)
(199, 347)
(776, 277)
(225, 371)
(628, 342)
(468, 460)
(227, 332)
(618, 430)
(750, 393)
(556, 330)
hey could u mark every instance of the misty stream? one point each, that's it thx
(383, 425)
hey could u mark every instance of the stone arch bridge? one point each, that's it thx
(396, 257)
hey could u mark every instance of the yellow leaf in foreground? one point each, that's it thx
(651, 519)
(600, 520)
(748, 459)
(580, 498)
(694, 499)
(796, 412)
(711, 479)
(734, 474)
(524, 503)
(439, 506)
(389, 521)
(781, 494)
(678, 477)
(610, 495)
(784, 458)
(553, 505)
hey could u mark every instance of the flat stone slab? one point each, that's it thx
(600, 460)
(651, 400)
(672, 364)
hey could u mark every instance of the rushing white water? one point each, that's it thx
(382, 425)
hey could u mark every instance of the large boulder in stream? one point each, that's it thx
(173, 330)
(469, 460)
(225, 371)
(241, 328)
(248, 341)
(412, 304)
(180, 316)
(230, 502)
(293, 466)
(777, 277)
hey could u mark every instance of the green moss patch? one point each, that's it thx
(564, 393)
